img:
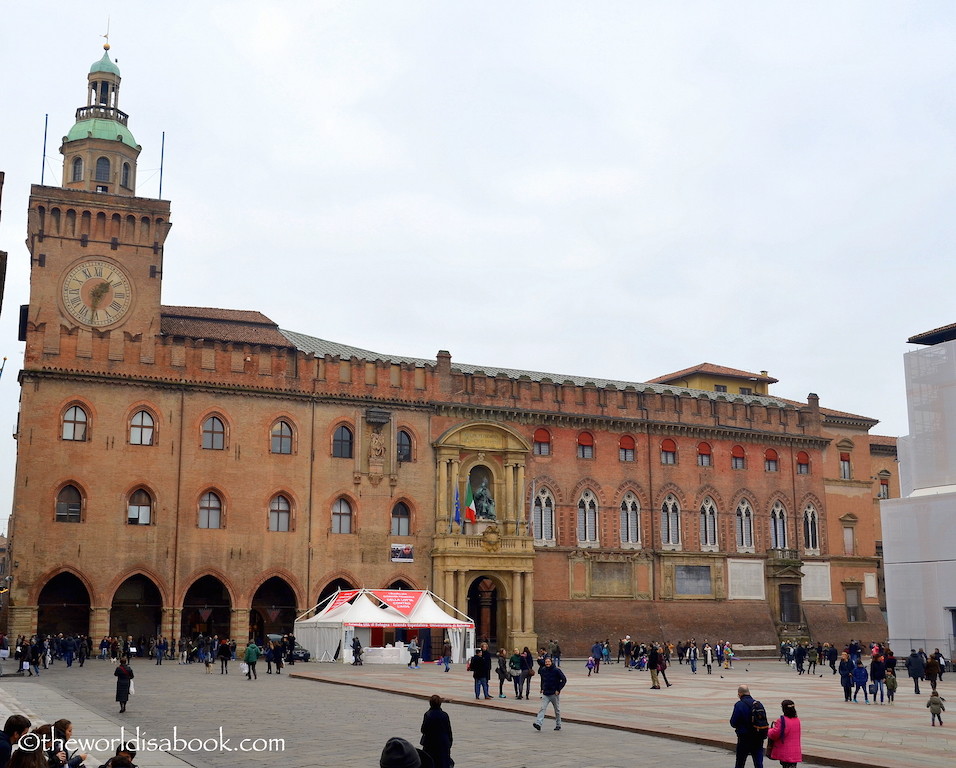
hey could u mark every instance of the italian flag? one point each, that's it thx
(470, 515)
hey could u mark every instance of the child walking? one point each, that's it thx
(936, 708)
(891, 683)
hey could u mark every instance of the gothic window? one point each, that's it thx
(745, 526)
(585, 445)
(342, 443)
(705, 456)
(403, 446)
(139, 509)
(708, 524)
(542, 442)
(281, 437)
(630, 519)
(341, 516)
(670, 521)
(811, 529)
(69, 503)
(626, 448)
(210, 511)
(401, 519)
(213, 434)
(543, 516)
(141, 428)
(778, 526)
(74, 424)
(280, 514)
(77, 169)
(587, 519)
(102, 169)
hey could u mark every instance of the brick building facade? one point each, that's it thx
(187, 469)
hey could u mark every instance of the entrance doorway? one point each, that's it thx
(483, 607)
(63, 606)
(789, 604)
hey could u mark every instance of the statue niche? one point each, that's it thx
(480, 481)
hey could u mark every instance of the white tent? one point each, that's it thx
(328, 635)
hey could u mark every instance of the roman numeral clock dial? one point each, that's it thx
(96, 293)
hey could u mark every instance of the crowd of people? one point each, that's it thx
(47, 746)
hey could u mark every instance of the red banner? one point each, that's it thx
(341, 598)
(402, 600)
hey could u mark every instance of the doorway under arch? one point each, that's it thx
(273, 609)
(207, 608)
(333, 586)
(63, 606)
(484, 607)
(137, 609)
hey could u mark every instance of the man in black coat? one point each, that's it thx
(915, 667)
(553, 681)
(13, 729)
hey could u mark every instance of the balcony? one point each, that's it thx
(781, 556)
(105, 113)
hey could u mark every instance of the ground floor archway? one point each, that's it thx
(484, 608)
(207, 608)
(63, 606)
(273, 609)
(137, 609)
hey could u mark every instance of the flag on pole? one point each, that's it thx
(470, 514)
(457, 508)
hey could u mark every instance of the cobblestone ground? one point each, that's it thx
(323, 724)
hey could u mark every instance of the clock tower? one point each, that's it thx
(96, 249)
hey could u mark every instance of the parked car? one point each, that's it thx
(298, 654)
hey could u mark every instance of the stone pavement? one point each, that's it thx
(338, 715)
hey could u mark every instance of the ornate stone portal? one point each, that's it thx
(490, 557)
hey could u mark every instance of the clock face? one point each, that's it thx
(97, 293)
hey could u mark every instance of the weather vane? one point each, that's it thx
(106, 37)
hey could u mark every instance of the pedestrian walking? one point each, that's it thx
(446, 655)
(708, 657)
(749, 721)
(891, 683)
(357, 653)
(846, 674)
(436, 734)
(553, 681)
(124, 682)
(915, 668)
(251, 656)
(481, 670)
(502, 671)
(936, 708)
(860, 676)
(783, 742)
(931, 671)
(414, 652)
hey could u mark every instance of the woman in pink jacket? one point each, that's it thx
(785, 735)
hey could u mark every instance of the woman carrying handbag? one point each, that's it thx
(784, 737)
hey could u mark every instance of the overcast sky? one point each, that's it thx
(608, 189)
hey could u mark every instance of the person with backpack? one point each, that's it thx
(749, 721)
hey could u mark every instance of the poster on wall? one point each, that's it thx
(403, 553)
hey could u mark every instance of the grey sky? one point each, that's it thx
(611, 189)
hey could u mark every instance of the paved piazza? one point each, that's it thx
(338, 715)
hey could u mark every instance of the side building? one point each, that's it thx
(184, 469)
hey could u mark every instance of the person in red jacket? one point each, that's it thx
(784, 736)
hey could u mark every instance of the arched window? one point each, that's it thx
(738, 459)
(102, 169)
(626, 448)
(745, 525)
(341, 516)
(213, 434)
(585, 445)
(210, 511)
(811, 529)
(280, 513)
(542, 442)
(141, 428)
(771, 461)
(74, 424)
(778, 526)
(139, 509)
(630, 519)
(69, 504)
(77, 169)
(401, 519)
(708, 523)
(281, 437)
(803, 463)
(668, 451)
(342, 443)
(704, 455)
(587, 519)
(403, 446)
(670, 521)
(543, 516)
(126, 175)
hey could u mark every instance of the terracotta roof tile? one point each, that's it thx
(238, 326)
(714, 370)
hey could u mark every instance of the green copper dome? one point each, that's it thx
(99, 128)
(105, 65)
